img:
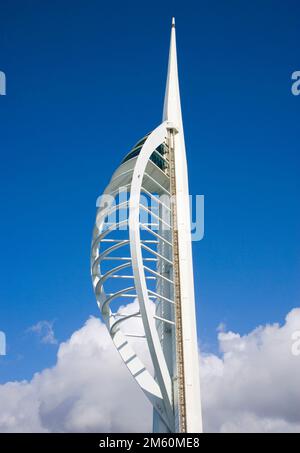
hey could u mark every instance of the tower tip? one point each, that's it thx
(172, 109)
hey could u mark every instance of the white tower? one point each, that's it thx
(142, 235)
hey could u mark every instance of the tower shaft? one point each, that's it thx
(179, 381)
(187, 381)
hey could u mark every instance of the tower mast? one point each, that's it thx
(187, 382)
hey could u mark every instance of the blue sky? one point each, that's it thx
(84, 83)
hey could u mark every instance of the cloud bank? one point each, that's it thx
(253, 386)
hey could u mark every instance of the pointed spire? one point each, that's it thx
(172, 107)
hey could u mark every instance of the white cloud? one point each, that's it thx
(88, 390)
(252, 386)
(255, 384)
(44, 330)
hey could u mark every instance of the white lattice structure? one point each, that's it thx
(141, 251)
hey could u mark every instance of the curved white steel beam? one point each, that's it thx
(156, 138)
(148, 384)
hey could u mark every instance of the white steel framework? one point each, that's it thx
(141, 253)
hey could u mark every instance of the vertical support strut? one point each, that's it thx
(179, 385)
